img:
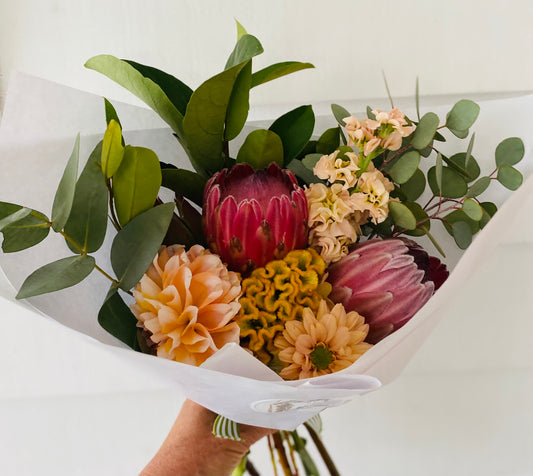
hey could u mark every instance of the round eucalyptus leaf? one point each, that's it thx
(462, 115)
(457, 216)
(509, 151)
(403, 168)
(509, 177)
(458, 133)
(469, 171)
(462, 234)
(489, 209)
(472, 209)
(415, 186)
(402, 216)
(425, 131)
(423, 225)
(340, 113)
(478, 187)
(453, 184)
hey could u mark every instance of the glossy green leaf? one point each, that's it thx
(425, 131)
(239, 104)
(112, 149)
(260, 148)
(205, 120)
(179, 232)
(136, 245)
(117, 319)
(509, 177)
(192, 218)
(462, 234)
(402, 216)
(328, 141)
(246, 48)
(177, 91)
(462, 115)
(64, 196)
(277, 70)
(403, 168)
(145, 88)
(241, 31)
(423, 225)
(457, 162)
(136, 183)
(462, 134)
(509, 151)
(24, 232)
(459, 216)
(60, 274)
(87, 222)
(415, 186)
(111, 113)
(478, 187)
(185, 184)
(302, 172)
(453, 184)
(339, 113)
(295, 129)
(472, 209)
(310, 160)
(14, 217)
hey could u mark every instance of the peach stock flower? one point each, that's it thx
(187, 302)
(372, 195)
(323, 343)
(338, 169)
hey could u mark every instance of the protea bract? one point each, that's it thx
(386, 281)
(252, 217)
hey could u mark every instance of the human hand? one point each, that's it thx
(191, 448)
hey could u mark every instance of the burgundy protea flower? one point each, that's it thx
(252, 217)
(386, 281)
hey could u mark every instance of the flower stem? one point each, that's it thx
(291, 451)
(272, 457)
(278, 443)
(333, 471)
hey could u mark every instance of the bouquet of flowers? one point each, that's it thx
(285, 258)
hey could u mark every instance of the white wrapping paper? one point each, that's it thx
(39, 124)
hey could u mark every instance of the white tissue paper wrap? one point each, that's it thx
(37, 133)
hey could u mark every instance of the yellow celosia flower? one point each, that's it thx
(277, 293)
(322, 343)
(187, 302)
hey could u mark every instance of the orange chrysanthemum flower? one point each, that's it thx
(187, 301)
(323, 343)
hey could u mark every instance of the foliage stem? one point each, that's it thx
(278, 443)
(272, 457)
(112, 206)
(333, 471)
(291, 451)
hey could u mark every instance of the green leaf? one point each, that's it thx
(489, 209)
(295, 129)
(64, 196)
(241, 31)
(87, 222)
(403, 168)
(468, 154)
(146, 89)
(415, 186)
(136, 245)
(478, 187)
(185, 184)
(239, 104)
(460, 216)
(438, 171)
(117, 319)
(340, 113)
(425, 131)
(462, 115)
(472, 209)
(509, 177)
(462, 234)
(14, 217)
(302, 172)
(260, 148)
(402, 216)
(328, 141)
(112, 149)
(111, 113)
(277, 70)
(136, 183)
(509, 151)
(205, 120)
(423, 225)
(178, 92)
(310, 160)
(370, 114)
(453, 184)
(24, 232)
(439, 137)
(246, 48)
(458, 163)
(58, 275)
(458, 133)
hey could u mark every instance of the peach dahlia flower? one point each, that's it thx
(187, 301)
(323, 343)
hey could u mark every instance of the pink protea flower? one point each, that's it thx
(253, 217)
(386, 281)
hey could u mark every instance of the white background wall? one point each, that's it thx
(450, 422)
